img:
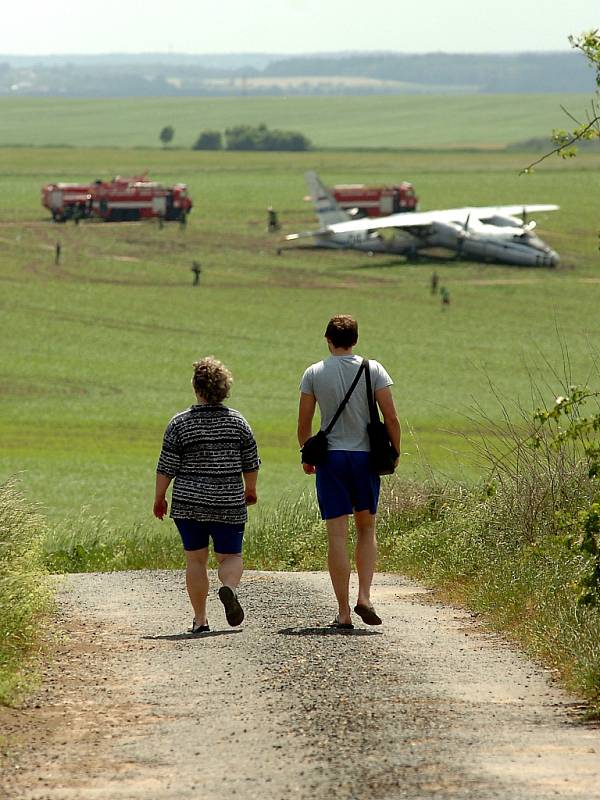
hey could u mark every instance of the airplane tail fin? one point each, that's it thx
(326, 208)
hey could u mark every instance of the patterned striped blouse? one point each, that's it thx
(206, 448)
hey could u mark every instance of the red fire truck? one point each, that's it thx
(117, 200)
(376, 201)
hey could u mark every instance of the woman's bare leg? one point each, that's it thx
(196, 581)
(231, 568)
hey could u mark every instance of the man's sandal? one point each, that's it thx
(341, 626)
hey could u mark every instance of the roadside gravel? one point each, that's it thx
(427, 706)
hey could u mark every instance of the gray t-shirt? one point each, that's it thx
(328, 381)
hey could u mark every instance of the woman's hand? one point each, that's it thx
(160, 507)
(250, 497)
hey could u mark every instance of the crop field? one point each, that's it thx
(97, 351)
(394, 121)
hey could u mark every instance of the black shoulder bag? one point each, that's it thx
(314, 450)
(383, 453)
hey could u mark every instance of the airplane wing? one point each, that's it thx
(420, 219)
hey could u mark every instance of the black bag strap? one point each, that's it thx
(373, 413)
(342, 406)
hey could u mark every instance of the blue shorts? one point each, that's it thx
(345, 484)
(227, 538)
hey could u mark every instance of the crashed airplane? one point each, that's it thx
(500, 234)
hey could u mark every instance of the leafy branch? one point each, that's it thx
(588, 44)
(566, 142)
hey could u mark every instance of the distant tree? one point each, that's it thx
(209, 140)
(247, 137)
(167, 134)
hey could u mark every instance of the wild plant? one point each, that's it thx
(25, 595)
(569, 425)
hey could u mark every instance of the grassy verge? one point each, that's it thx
(24, 593)
(524, 547)
(528, 590)
(90, 543)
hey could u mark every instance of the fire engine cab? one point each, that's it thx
(375, 201)
(117, 200)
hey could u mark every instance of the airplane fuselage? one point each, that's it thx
(369, 243)
(508, 244)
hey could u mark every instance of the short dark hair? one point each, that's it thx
(342, 331)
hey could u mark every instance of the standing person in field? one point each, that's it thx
(434, 282)
(211, 453)
(345, 483)
(196, 269)
(445, 295)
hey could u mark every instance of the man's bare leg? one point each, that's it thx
(338, 563)
(196, 581)
(366, 554)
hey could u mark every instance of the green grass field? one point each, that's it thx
(432, 121)
(98, 351)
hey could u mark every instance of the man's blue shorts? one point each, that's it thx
(345, 483)
(227, 538)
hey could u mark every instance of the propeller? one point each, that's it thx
(461, 235)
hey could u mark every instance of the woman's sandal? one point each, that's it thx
(368, 615)
(199, 628)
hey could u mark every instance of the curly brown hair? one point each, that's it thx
(211, 380)
(342, 331)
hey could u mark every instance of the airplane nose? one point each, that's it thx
(553, 258)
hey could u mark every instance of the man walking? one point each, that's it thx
(196, 269)
(345, 483)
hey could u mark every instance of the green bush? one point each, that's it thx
(24, 591)
(209, 140)
(247, 137)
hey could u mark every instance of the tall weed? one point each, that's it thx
(522, 546)
(90, 543)
(25, 596)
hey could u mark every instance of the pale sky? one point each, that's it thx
(291, 26)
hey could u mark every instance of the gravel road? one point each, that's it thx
(427, 706)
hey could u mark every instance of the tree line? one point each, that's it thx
(160, 76)
(243, 137)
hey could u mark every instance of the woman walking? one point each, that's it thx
(210, 452)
